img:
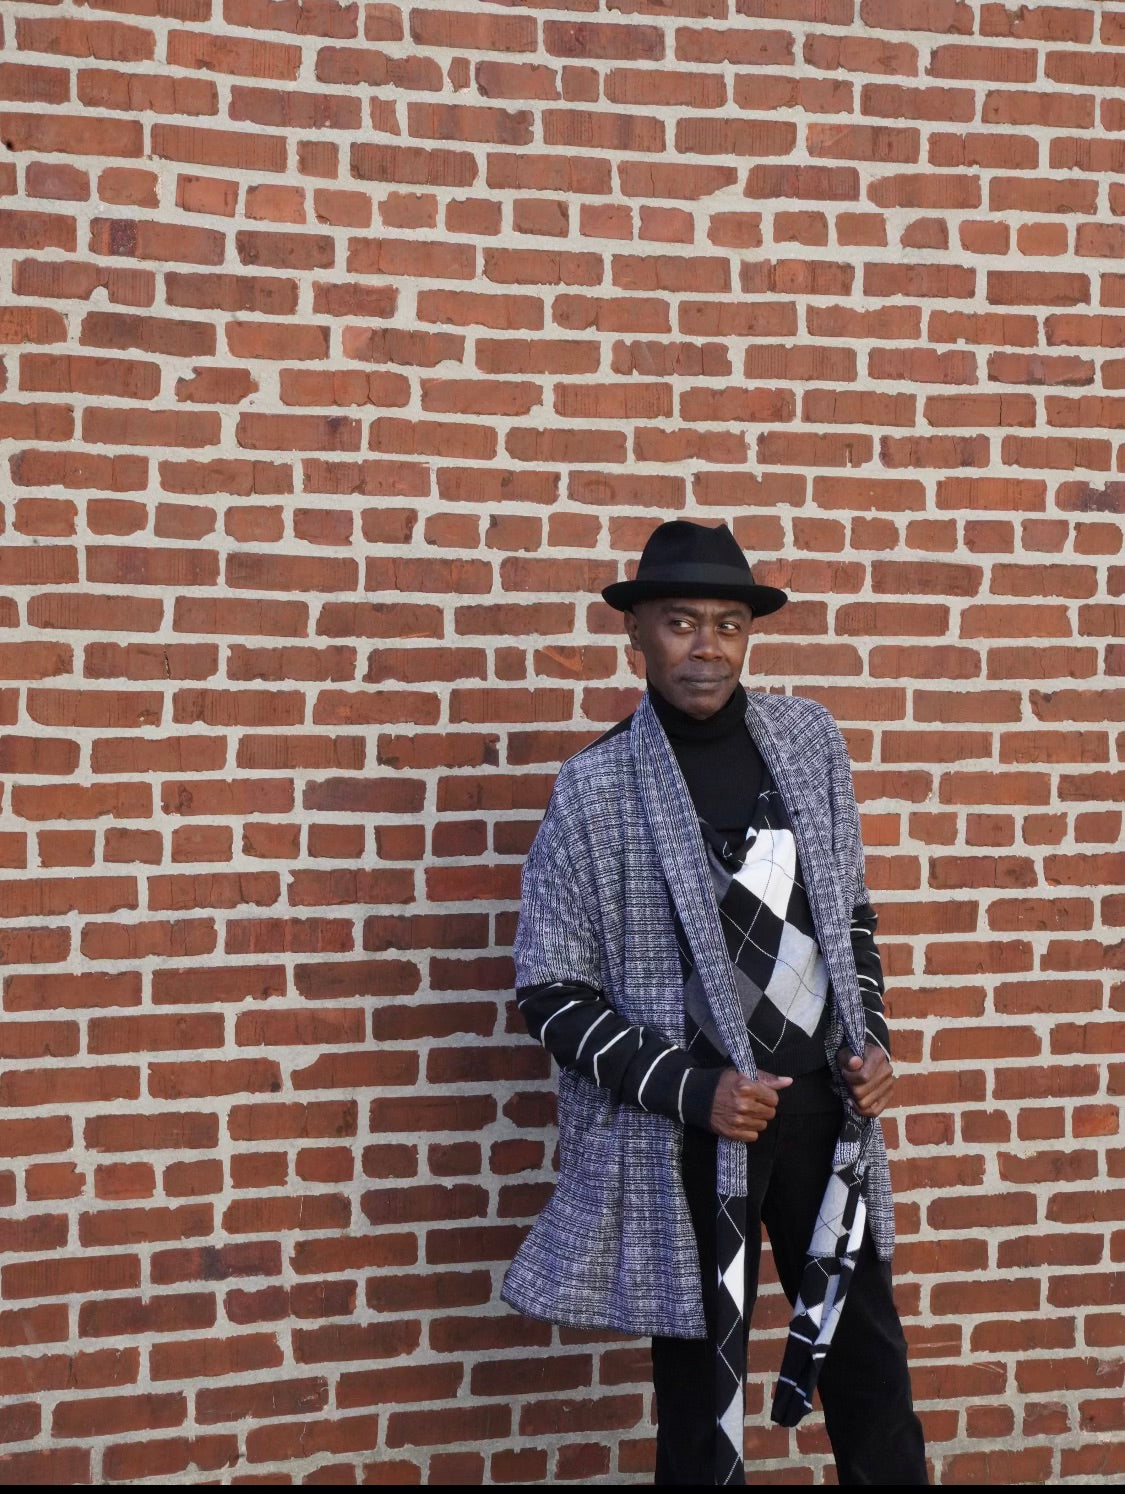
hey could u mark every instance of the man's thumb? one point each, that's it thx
(855, 1062)
(775, 1081)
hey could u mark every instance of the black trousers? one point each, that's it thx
(864, 1383)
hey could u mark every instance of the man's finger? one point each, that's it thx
(745, 1093)
(869, 1091)
(869, 1076)
(873, 1098)
(849, 1065)
(764, 1094)
(752, 1111)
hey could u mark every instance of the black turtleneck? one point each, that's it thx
(720, 763)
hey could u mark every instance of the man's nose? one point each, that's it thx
(707, 643)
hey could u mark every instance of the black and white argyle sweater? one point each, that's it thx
(779, 972)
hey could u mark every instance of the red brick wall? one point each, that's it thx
(348, 350)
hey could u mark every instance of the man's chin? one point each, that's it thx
(703, 701)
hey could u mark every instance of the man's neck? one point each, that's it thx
(679, 726)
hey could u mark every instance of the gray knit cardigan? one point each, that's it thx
(619, 845)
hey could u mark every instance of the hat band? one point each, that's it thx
(714, 575)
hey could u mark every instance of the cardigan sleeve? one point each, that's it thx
(561, 995)
(555, 938)
(579, 1028)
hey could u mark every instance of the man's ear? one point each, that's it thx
(632, 630)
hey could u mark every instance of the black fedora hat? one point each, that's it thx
(682, 559)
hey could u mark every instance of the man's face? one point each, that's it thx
(694, 650)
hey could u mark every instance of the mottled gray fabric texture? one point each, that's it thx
(619, 847)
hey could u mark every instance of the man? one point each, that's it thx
(696, 949)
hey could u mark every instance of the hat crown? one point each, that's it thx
(685, 559)
(680, 542)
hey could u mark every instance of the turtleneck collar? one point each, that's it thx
(680, 727)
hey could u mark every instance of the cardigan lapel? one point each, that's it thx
(679, 845)
(808, 803)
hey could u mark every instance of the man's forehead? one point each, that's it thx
(696, 606)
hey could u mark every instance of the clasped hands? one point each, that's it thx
(743, 1107)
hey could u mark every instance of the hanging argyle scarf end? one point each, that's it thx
(792, 1396)
(829, 1268)
(790, 1404)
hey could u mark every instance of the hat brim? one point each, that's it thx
(762, 600)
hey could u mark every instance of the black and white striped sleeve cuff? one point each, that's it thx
(582, 1032)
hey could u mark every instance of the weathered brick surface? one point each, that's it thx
(346, 349)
